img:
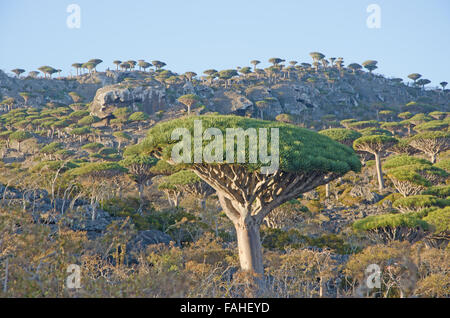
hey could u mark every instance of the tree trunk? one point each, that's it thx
(327, 190)
(249, 246)
(379, 172)
(141, 197)
(433, 158)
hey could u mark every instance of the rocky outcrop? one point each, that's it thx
(228, 101)
(367, 196)
(148, 98)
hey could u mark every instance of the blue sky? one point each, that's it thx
(194, 35)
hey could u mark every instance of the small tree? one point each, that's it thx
(411, 175)
(416, 203)
(376, 145)
(414, 77)
(143, 64)
(26, 96)
(226, 75)
(354, 67)
(188, 182)
(95, 62)
(18, 71)
(254, 63)
(121, 137)
(189, 100)
(431, 143)
(77, 98)
(443, 85)
(77, 66)
(342, 135)
(392, 227)
(422, 82)
(96, 173)
(19, 137)
(117, 63)
(47, 70)
(80, 132)
(138, 117)
(275, 60)
(139, 171)
(158, 64)
(190, 75)
(370, 65)
(317, 56)
(285, 118)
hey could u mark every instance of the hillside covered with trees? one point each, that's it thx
(86, 178)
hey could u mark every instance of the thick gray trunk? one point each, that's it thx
(249, 246)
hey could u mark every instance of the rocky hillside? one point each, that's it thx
(305, 93)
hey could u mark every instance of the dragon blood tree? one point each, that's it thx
(305, 161)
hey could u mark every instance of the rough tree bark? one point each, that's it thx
(248, 197)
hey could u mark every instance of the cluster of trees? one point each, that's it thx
(407, 150)
(332, 68)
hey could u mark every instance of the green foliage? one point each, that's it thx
(54, 165)
(434, 125)
(98, 169)
(363, 124)
(52, 147)
(183, 177)
(389, 220)
(127, 207)
(405, 115)
(276, 239)
(375, 131)
(443, 164)
(138, 160)
(88, 120)
(409, 173)
(300, 149)
(20, 136)
(162, 167)
(418, 202)
(80, 131)
(285, 118)
(439, 219)
(138, 116)
(341, 135)
(92, 147)
(438, 191)
(122, 135)
(374, 143)
(404, 160)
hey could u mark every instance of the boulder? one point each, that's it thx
(363, 192)
(148, 98)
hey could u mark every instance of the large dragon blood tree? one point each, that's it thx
(306, 161)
